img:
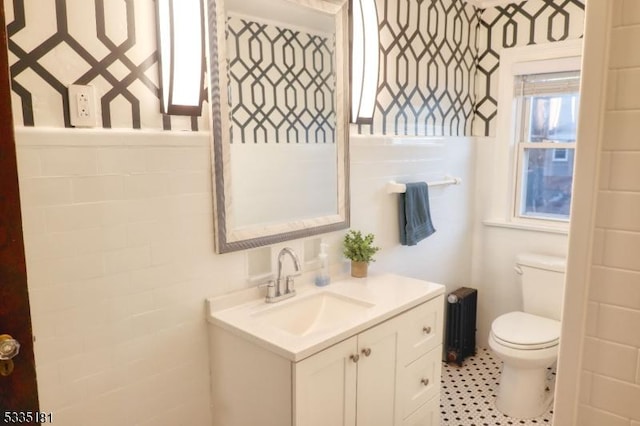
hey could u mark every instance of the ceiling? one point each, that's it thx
(284, 12)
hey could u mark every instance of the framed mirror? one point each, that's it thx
(278, 74)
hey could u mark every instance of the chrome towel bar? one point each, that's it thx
(397, 188)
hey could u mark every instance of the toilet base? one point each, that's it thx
(523, 393)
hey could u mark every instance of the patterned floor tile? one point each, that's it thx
(468, 394)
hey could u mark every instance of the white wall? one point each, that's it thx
(496, 245)
(118, 238)
(119, 245)
(118, 225)
(444, 257)
(610, 384)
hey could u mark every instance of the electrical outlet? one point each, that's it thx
(82, 106)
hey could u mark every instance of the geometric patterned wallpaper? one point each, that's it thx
(438, 67)
(53, 44)
(282, 84)
(518, 24)
(427, 66)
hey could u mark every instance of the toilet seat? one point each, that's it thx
(523, 331)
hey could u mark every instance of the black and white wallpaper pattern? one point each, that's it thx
(281, 83)
(438, 68)
(427, 66)
(518, 24)
(108, 44)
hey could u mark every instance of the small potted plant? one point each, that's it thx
(360, 250)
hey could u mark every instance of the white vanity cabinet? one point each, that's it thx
(385, 375)
(324, 387)
(381, 377)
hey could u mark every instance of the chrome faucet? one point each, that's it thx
(275, 290)
(289, 279)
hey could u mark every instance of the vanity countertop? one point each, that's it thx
(374, 299)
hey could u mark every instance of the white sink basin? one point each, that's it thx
(305, 315)
(316, 318)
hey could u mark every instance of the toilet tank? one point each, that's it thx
(542, 282)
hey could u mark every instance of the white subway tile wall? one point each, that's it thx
(611, 377)
(120, 259)
(444, 257)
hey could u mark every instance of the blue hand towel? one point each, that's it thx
(414, 214)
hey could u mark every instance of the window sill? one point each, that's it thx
(496, 223)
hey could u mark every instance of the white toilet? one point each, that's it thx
(527, 342)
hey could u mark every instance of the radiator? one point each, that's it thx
(461, 324)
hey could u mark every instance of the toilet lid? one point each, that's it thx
(526, 331)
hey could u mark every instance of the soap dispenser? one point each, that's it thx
(322, 277)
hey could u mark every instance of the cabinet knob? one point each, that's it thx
(366, 351)
(426, 330)
(354, 358)
(425, 382)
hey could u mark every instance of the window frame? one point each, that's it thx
(521, 125)
(498, 186)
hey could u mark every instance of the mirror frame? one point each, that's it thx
(228, 239)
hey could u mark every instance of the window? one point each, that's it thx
(547, 112)
(560, 154)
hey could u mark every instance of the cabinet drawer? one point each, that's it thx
(421, 330)
(427, 415)
(420, 381)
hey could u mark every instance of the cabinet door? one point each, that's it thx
(325, 387)
(377, 381)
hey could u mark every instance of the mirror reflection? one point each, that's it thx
(280, 129)
(281, 77)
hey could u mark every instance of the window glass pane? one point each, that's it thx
(546, 184)
(560, 154)
(553, 118)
